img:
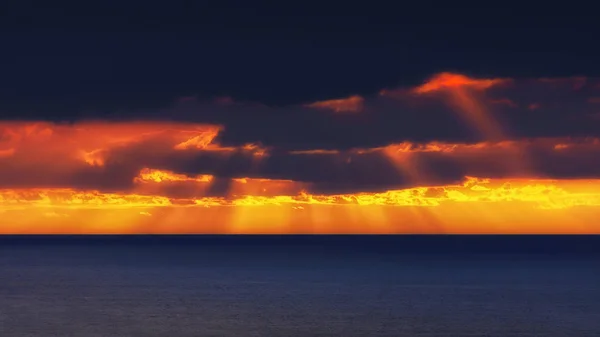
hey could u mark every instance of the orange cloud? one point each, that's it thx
(349, 104)
(7, 153)
(105, 155)
(490, 146)
(87, 140)
(464, 95)
(451, 81)
(199, 141)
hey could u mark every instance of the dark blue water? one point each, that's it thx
(299, 286)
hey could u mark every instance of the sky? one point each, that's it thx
(231, 118)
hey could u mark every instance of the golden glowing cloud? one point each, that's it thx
(157, 176)
(504, 206)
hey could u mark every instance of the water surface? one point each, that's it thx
(298, 286)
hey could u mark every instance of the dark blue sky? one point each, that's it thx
(60, 59)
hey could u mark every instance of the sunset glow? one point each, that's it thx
(134, 176)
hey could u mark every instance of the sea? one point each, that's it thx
(299, 285)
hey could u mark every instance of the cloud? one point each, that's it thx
(7, 152)
(81, 155)
(453, 140)
(447, 107)
(451, 81)
(349, 104)
(150, 160)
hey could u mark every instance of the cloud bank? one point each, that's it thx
(532, 144)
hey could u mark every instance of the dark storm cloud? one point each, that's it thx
(523, 108)
(337, 147)
(388, 168)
